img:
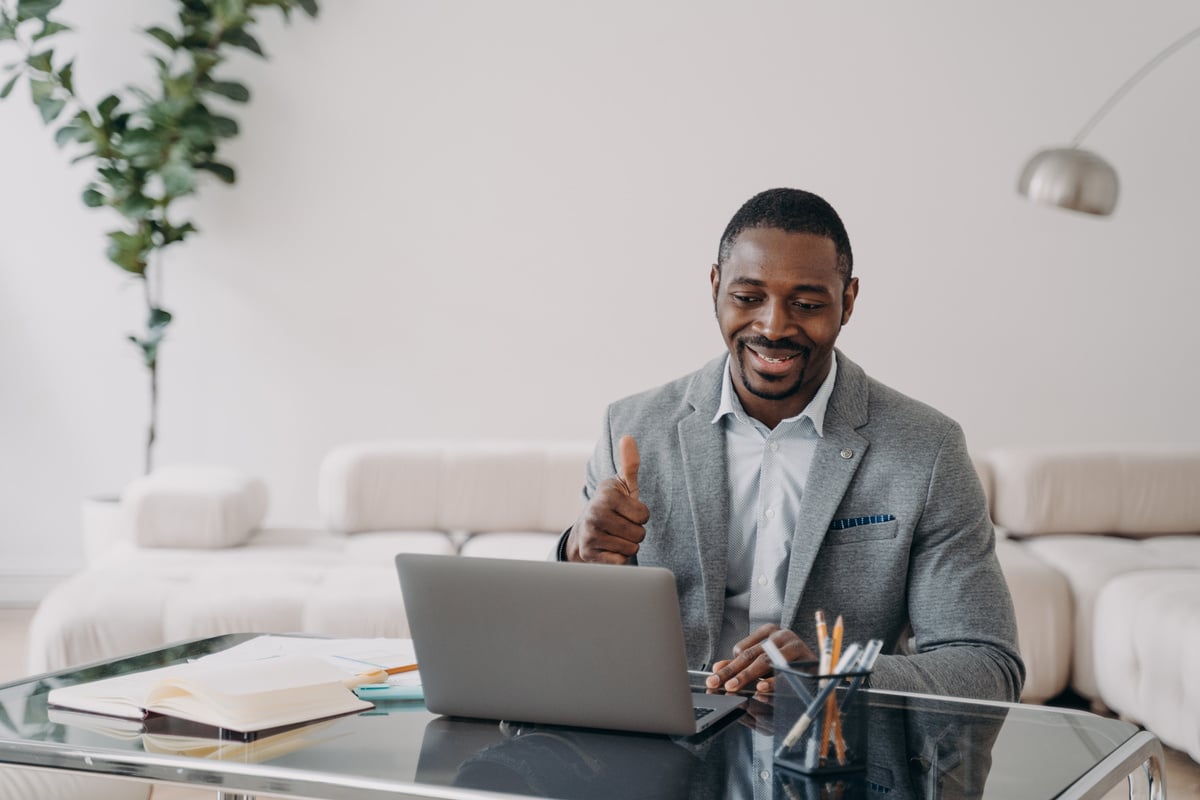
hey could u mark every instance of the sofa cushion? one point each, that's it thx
(528, 546)
(203, 507)
(1045, 620)
(1089, 563)
(380, 486)
(1129, 491)
(1146, 651)
(452, 487)
(357, 600)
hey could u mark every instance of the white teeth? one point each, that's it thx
(770, 360)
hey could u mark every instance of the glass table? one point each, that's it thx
(919, 747)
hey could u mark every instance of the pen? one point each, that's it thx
(818, 703)
(780, 663)
(864, 666)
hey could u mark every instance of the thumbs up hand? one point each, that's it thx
(612, 523)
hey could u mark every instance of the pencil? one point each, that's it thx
(828, 729)
(401, 668)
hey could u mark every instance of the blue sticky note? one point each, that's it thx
(384, 691)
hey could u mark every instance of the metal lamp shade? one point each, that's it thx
(1071, 178)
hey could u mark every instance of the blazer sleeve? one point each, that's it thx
(964, 629)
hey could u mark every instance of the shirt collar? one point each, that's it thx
(815, 410)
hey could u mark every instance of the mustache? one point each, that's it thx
(763, 343)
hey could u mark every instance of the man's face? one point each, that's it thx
(780, 303)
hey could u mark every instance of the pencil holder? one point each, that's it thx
(820, 720)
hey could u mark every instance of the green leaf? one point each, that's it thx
(239, 38)
(51, 107)
(173, 234)
(159, 318)
(8, 29)
(164, 36)
(137, 206)
(35, 9)
(178, 179)
(149, 348)
(49, 28)
(223, 127)
(8, 87)
(230, 9)
(222, 171)
(125, 250)
(108, 105)
(205, 60)
(40, 89)
(92, 197)
(66, 77)
(83, 156)
(41, 61)
(309, 6)
(233, 90)
(66, 133)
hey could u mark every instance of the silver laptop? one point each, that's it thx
(561, 644)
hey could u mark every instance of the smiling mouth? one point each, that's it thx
(770, 360)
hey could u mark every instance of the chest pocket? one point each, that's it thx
(842, 532)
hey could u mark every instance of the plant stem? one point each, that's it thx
(152, 366)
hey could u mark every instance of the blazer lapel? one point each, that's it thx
(834, 464)
(706, 474)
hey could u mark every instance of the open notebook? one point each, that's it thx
(560, 644)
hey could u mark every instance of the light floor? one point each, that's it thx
(1183, 774)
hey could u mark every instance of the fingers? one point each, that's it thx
(750, 665)
(612, 525)
(628, 462)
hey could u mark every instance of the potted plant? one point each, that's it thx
(151, 145)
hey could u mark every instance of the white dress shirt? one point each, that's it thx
(767, 473)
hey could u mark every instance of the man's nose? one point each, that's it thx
(775, 320)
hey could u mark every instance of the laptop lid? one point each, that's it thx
(562, 644)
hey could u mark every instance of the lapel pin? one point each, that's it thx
(846, 453)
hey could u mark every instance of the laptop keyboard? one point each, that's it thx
(702, 712)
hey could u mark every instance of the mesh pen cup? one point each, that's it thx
(820, 720)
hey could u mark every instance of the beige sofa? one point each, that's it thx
(1100, 548)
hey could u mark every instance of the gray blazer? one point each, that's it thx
(929, 573)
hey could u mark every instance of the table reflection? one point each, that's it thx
(912, 754)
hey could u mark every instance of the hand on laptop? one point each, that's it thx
(750, 665)
(611, 525)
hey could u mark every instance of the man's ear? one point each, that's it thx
(715, 278)
(848, 297)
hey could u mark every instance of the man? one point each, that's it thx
(779, 480)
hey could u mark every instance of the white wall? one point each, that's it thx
(479, 219)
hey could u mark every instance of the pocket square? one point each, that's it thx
(854, 522)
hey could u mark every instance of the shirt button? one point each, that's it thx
(766, 776)
(770, 513)
(774, 446)
(762, 580)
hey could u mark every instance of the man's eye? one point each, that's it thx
(810, 306)
(745, 298)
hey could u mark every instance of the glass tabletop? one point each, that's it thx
(918, 747)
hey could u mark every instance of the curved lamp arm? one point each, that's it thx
(1079, 180)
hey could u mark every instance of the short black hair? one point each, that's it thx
(794, 211)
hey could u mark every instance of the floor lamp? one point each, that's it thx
(1078, 179)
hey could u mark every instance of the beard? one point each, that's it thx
(779, 387)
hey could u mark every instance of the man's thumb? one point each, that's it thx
(628, 462)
